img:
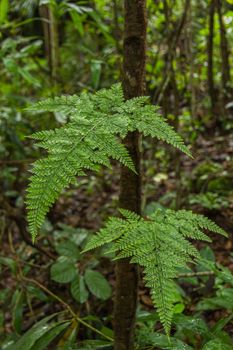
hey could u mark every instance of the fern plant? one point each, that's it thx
(160, 244)
(97, 123)
(91, 138)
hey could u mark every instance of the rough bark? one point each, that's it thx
(134, 52)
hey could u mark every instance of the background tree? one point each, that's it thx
(224, 48)
(210, 43)
(52, 278)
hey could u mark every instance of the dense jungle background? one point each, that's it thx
(52, 296)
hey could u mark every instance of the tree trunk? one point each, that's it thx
(50, 38)
(160, 91)
(224, 48)
(210, 49)
(130, 184)
(191, 40)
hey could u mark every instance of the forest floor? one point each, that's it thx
(88, 204)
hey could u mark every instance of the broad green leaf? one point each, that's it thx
(221, 324)
(194, 324)
(78, 289)
(9, 263)
(224, 299)
(17, 314)
(225, 274)
(30, 337)
(107, 331)
(102, 27)
(47, 2)
(95, 73)
(207, 253)
(77, 20)
(163, 342)
(63, 272)
(68, 249)
(217, 344)
(97, 284)
(178, 308)
(36, 292)
(4, 6)
(28, 76)
(51, 334)
(79, 9)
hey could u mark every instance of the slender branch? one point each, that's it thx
(158, 95)
(195, 274)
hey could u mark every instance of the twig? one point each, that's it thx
(67, 306)
(18, 216)
(195, 274)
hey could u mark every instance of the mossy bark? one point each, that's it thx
(134, 56)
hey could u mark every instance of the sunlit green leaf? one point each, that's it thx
(30, 337)
(4, 6)
(69, 249)
(63, 272)
(78, 289)
(51, 334)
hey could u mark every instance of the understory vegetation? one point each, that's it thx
(116, 203)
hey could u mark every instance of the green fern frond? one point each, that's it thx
(160, 245)
(97, 123)
(68, 157)
(150, 122)
(63, 104)
(107, 234)
(127, 214)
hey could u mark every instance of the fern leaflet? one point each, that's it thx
(160, 245)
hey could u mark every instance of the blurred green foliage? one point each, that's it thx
(89, 57)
